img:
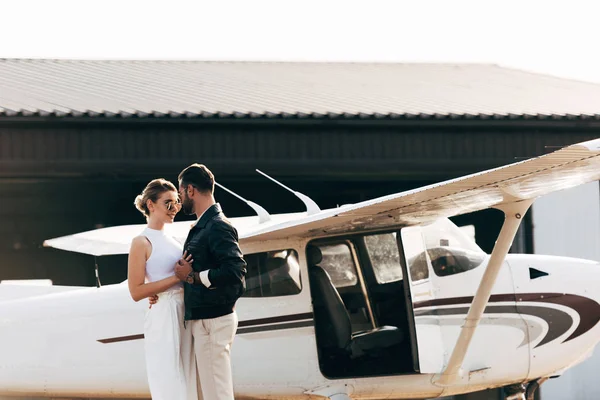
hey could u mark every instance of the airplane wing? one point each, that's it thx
(111, 240)
(117, 239)
(562, 169)
(568, 167)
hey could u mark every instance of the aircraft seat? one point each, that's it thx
(281, 282)
(333, 326)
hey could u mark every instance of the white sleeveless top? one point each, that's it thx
(166, 251)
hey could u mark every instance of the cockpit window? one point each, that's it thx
(441, 245)
(450, 261)
(339, 264)
(384, 256)
(272, 273)
(449, 249)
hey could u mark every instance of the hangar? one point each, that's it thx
(79, 139)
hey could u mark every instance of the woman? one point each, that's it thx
(170, 360)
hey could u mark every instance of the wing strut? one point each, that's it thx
(513, 213)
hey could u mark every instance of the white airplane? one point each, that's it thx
(381, 299)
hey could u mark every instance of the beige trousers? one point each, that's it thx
(212, 346)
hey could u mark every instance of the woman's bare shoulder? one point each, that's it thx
(140, 241)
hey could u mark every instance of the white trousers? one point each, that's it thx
(170, 362)
(212, 344)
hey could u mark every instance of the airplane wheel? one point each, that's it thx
(523, 392)
(515, 392)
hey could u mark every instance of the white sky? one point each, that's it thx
(559, 38)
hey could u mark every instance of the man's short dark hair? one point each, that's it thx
(199, 177)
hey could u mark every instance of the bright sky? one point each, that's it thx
(559, 38)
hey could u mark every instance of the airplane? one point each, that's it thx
(386, 298)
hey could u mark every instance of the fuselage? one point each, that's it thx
(88, 342)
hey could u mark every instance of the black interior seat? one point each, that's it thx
(333, 326)
(281, 281)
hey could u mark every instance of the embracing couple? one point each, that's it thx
(190, 325)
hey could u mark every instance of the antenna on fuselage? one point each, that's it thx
(311, 206)
(263, 215)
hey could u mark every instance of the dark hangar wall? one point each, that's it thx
(62, 177)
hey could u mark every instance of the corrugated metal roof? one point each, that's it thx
(287, 90)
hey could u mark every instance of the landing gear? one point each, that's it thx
(532, 387)
(523, 391)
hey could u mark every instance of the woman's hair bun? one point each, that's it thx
(152, 191)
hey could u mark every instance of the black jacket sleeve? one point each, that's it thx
(223, 244)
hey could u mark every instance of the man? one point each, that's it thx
(213, 282)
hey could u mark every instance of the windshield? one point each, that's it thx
(450, 250)
(446, 248)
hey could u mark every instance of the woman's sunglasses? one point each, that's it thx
(171, 205)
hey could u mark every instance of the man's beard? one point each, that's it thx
(187, 205)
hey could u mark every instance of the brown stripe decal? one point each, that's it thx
(264, 328)
(588, 309)
(558, 321)
(463, 300)
(274, 320)
(249, 326)
(121, 339)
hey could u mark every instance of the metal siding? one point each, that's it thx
(235, 150)
(568, 224)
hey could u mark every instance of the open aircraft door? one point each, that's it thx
(429, 354)
(446, 270)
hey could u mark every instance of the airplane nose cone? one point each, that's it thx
(564, 289)
(559, 298)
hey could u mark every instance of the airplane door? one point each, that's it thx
(429, 353)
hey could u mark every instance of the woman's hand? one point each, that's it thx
(152, 300)
(184, 262)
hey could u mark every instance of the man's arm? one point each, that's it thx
(223, 244)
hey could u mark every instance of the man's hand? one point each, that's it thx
(152, 300)
(184, 266)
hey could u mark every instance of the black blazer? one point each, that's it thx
(213, 243)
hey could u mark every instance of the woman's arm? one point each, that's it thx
(136, 271)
